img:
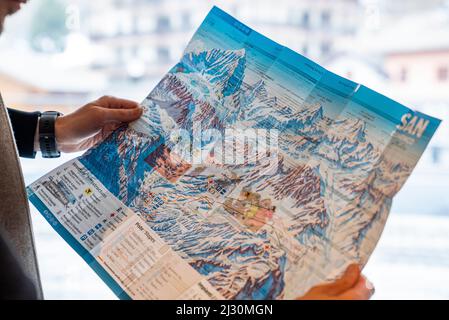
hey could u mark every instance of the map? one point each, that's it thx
(254, 173)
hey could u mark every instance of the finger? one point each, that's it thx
(370, 286)
(345, 282)
(116, 103)
(109, 128)
(121, 115)
(92, 141)
(362, 290)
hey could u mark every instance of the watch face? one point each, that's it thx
(54, 113)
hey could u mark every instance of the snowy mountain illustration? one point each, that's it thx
(331, 181)
(118, 162)
(223, 69)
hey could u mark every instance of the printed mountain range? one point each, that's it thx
(332, 186)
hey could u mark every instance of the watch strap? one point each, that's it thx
(47, 137)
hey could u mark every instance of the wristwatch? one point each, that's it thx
(47, 137)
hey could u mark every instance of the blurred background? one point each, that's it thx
(60, 54)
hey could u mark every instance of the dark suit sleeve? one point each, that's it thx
(24, 128)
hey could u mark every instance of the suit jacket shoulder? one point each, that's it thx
(15, 221)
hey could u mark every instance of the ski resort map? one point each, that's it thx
(254, 173)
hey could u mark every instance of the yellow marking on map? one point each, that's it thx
(88, 192)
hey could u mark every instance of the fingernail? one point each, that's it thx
(369, 285)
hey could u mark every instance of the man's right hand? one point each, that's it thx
(352, 285)
(83, 128)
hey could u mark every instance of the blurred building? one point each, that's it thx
(418, 61)
(39, 82)
(311, 27)
(139, 38)
(422, 72)
(143, 38)
(399, 8)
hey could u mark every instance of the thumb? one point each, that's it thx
(122, 115)
(345, 282)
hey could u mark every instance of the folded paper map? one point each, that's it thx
(254, 173)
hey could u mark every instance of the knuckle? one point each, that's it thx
(106, 97)
(98, 113)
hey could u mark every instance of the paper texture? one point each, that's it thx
(254, 173)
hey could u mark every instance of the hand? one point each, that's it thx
(82, 129)
(351, 286)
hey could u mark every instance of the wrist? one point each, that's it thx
(59, 130)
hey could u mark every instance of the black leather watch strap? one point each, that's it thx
(47, 137)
